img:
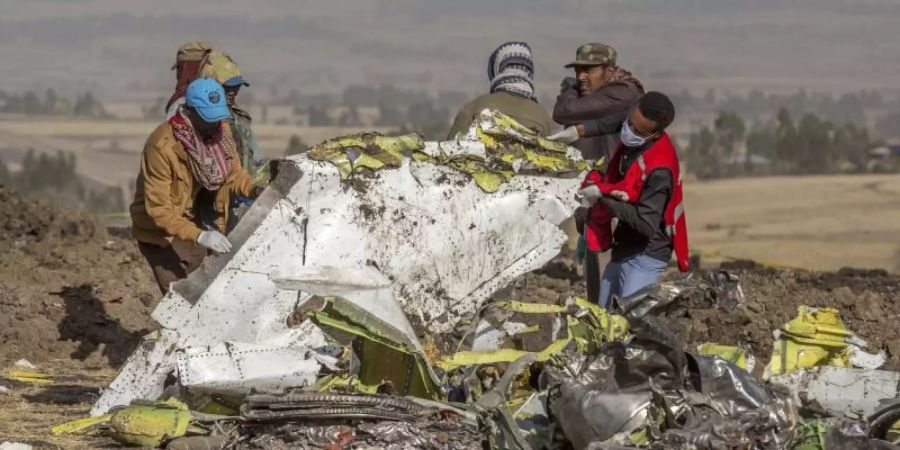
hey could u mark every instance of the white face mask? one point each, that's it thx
(630, 138)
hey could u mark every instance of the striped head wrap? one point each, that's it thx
(511, 69)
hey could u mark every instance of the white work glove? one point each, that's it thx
(567, 136)
(589, 195)
(214, 241)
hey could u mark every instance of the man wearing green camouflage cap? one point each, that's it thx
(593, 105)
(596, 101)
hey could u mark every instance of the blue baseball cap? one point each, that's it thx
(207, 97)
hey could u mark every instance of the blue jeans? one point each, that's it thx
(624, 278)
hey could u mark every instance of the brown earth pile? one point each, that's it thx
(67, 288)
(868, 301)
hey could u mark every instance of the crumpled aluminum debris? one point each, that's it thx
(649, 392)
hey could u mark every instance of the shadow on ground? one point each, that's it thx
(87, 322)
(64, 394)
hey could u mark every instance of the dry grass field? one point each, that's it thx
(108, 150)
(819, 223)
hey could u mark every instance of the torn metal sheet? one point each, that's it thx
(842, 391)
(234, 368)
(738, 356)
(737, 396)
(818, 337)
(587, 415)
(421, 236)
(143, 375)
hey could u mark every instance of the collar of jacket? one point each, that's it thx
(236, 110)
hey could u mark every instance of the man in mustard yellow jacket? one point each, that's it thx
(189, 170)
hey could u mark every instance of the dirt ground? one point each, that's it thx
(866, 298)
(75, 300)
(28, 411)
(68, 289)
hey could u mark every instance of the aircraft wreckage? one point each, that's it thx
(317, 330)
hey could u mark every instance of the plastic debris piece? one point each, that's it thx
(864, 360)
(386, 354)
(25, 364)
(729, 293)
(738, 356)
(817, 337)
(15, 446)
(810, 435)
(649, 392)
(842, 391)
(28, 376)
(497, 147)
(320, 406)
(80, 425)
(4, 390)
(232, 368)
(366, 151)
(149, 424)
(473, 358)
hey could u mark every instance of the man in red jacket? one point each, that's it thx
(651, 225)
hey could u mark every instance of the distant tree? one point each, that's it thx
(760, 143)
(710, 97)
(426, 114)
(815, 153)
(389, 116)
(295, 146)
(350, 118)
(853, 144)
(88, 106)
(51, 102)
(729, 130)
(700, 153)
(156, 111)
(318, 116)
(31, 104)
(787, 140)
(889, 125)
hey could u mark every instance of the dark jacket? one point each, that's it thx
(641, 227)
(600, 112)
(524, 110)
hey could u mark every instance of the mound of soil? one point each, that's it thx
(867, 301)
(67, 288)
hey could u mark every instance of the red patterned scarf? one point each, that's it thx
(209, 161)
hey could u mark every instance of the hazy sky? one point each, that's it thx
(123, 49)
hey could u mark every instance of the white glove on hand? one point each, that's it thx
(214, 241)
(567, 136)
(589, 195)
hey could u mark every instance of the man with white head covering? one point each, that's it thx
(511, 73)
